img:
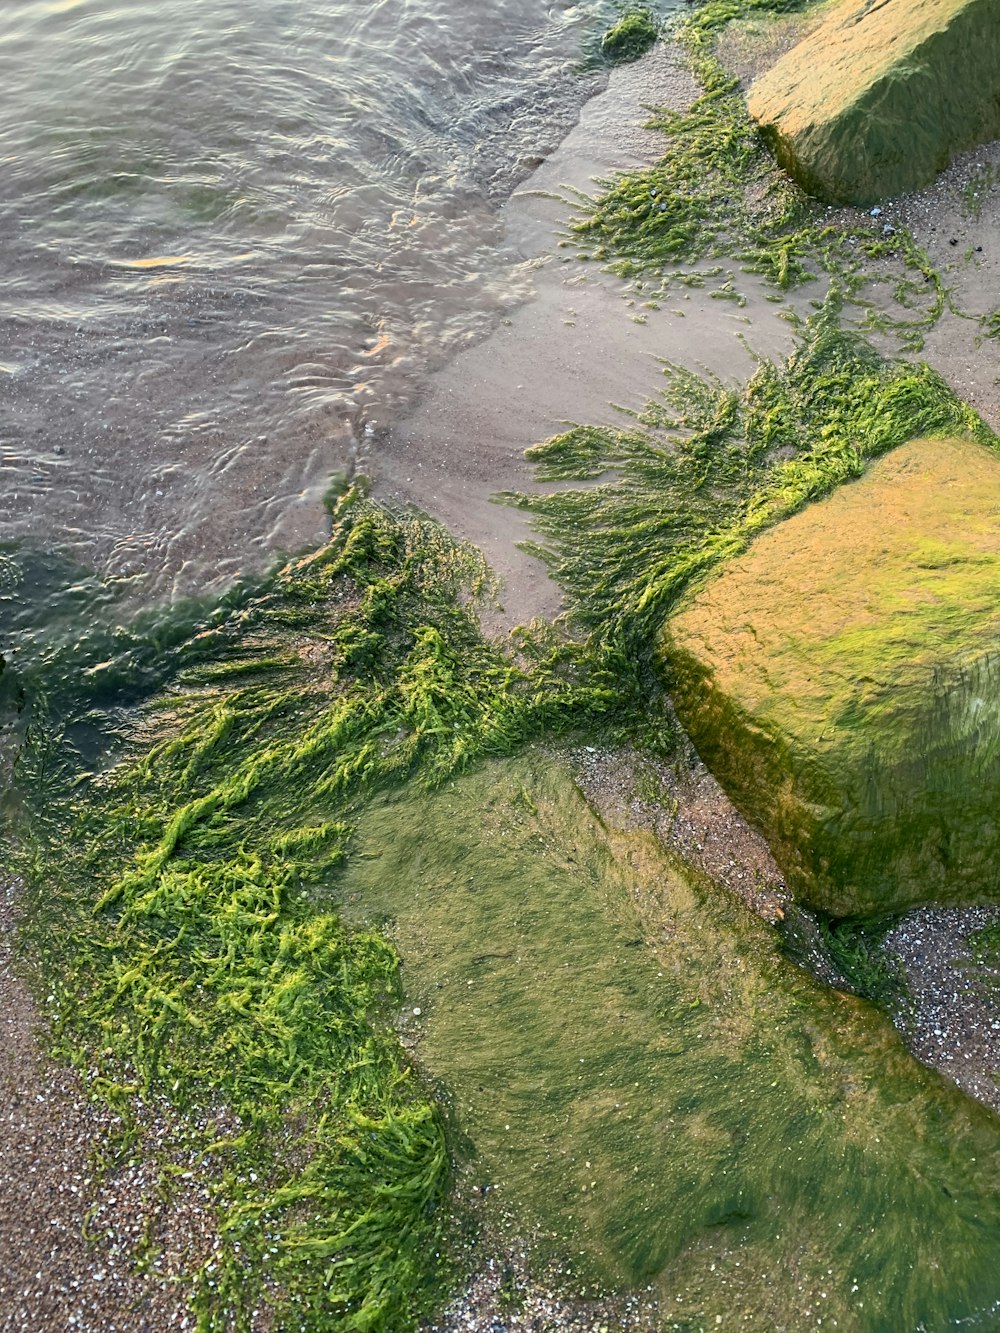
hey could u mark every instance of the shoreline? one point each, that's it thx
(465, 442)
(584, 341)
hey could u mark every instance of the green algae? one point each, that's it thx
(184, 866)
(641, 1074)
(298, 749)
(631, 37)
(856, 948)
(696, 475)
(718, 194)
(177, 916)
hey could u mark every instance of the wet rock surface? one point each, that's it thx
(840, 681)
(868, 105)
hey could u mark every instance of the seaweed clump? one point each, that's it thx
(182, 921)
(717, 194)
(629, 38)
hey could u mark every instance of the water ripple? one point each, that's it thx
(236, 233)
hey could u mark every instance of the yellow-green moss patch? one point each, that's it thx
(880, 97)
(842, 678)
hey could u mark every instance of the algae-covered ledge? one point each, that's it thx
(840, 678)
(879, 98)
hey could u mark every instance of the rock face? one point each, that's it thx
(882, 94)
(842, 681)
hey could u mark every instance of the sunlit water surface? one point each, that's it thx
(234, 236)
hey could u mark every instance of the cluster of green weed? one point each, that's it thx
(857, 949)
(629, 38)
(702, 471)
(984, 945)
(718, 194)
(182, 920)
(182, 916)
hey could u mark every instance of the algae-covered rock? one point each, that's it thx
(655, 1094)
(881, 96)
(842, 680)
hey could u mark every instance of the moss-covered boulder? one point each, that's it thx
(881, 96)
(842, 680)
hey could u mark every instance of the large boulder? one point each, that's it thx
(882, 94)
(842, 681)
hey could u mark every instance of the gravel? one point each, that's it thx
(953, 1020)
(69, 1233)
(683, 804)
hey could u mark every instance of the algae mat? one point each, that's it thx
(880, 97)
(643, 1076)
(842, 680)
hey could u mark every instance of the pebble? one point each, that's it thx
(952, 1021)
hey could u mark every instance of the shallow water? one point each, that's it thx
(237, 235)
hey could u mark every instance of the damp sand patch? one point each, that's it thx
(587, 339)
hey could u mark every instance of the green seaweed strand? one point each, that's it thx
(182, 916)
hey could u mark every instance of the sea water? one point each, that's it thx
(238, 235)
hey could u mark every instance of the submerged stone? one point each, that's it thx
(880, 97)
(842, 681)
(653, 1093)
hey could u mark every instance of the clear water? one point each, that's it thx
(235, 236)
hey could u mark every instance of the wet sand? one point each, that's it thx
(584, 342)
